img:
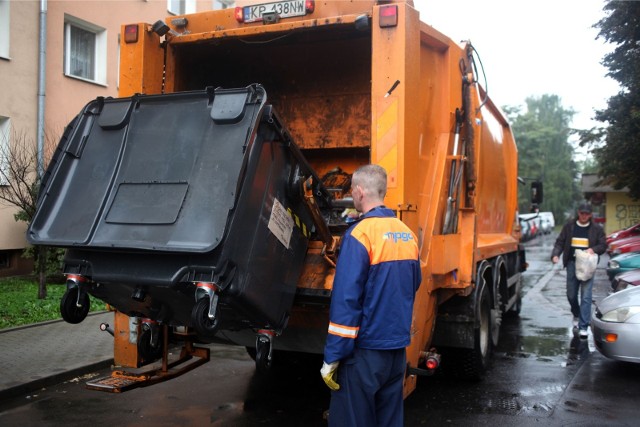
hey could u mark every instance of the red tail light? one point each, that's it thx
(432, 360)
(131, 33)
(388, 16)
(310, 6)
(432, 363)
(239, 14)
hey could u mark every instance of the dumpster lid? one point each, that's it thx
(157, 172)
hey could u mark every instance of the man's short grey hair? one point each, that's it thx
(372, 179)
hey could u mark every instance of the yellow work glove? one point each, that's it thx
(329, 372)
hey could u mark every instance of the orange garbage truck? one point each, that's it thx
(207, 202)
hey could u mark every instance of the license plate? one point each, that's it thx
(284, 9)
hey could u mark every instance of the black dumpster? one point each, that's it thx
(186, 208)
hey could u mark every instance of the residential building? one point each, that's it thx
(612, 208)
(81, 63)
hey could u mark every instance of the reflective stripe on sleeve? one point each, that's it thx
(343, 331)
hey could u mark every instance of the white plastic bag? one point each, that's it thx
(586, 264)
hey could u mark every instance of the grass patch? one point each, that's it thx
(19, 303)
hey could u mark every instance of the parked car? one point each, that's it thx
(616, 325)
(634, 230)
(532, 223)
(615, 247)
(622, 263)
(547, 222)
(525, 231)
(624, 280)
(630, 246)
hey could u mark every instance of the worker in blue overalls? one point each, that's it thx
(377, 276)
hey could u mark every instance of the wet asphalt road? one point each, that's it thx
(535, 366)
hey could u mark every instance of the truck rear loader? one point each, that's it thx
(207, 202)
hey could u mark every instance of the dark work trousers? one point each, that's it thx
(370, 389)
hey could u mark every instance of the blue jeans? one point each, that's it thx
(579, 308)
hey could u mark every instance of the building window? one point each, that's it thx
(5, 28)
(180, 7)
(5, 259)
(85, 50)
(5, 131)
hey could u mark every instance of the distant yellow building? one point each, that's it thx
(614, 208)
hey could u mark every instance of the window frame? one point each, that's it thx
(222, 4)
(5, 29)
(184, 7)
(99, 49)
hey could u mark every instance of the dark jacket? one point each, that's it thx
(597, 241)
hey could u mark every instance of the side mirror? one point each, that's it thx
(536, 192)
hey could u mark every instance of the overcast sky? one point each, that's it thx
(531, 48)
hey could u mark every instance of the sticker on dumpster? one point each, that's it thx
(281, 223)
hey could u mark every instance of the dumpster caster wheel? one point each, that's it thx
(264, 359)
(205, 326)
(74, 305)
(148, 349)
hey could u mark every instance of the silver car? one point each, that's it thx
(616, 325)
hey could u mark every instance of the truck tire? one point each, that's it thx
(472, 364)
(499, 281)
(476, 361)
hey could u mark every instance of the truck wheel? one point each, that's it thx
(496, 321)
(474, 363)
(204, 326)
(483, 345)
(69, 310)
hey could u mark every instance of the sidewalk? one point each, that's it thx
(603, 391)
(42, 354)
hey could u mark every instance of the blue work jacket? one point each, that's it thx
(377, 276)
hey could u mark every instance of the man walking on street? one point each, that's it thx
(579, 234)
(377, 276)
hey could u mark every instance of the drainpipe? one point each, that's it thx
(42, 62)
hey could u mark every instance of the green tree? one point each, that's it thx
(588, 165)
(618, 153)
(544, 153)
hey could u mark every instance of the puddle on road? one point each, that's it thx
(541, 343)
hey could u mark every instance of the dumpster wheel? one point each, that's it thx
(205, 326)
(264, 348)
(146, 348)
(74, 305)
